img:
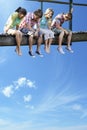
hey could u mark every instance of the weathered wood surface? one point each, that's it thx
(9, 40)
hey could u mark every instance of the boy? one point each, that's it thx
(58, 29)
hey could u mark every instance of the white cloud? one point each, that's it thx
(21, 82)
(24, 82)
(27, 98)
(30, 84)
(8, 91)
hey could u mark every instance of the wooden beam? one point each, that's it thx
(9, 40)
(59, 2)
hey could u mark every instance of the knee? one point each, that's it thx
(31, 37)
(18, 33)
(62, 33)
(70, 33)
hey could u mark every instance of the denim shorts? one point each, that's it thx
(24, 30)
(58, 31)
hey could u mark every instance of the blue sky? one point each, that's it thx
(48, 93)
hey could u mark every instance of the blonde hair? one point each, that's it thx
(49, 10)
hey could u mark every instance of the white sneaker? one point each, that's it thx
(69, 49)
(60, 50)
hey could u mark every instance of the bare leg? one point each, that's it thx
(39, 43)
(46, 43)
(50, 42)
(68, 42)
(60, 39)
(69, 38)
(18, 40)
(31, 41)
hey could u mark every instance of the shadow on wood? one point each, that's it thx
(9, 40)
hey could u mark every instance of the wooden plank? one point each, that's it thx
(9, 40)
(59, 2)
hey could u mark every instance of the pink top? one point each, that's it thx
(28, 21)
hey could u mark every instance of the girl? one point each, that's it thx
(45, 27)
(12, 25)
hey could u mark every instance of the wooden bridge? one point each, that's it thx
(9, 40)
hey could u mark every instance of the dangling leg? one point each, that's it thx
(31, 41)
(38, 45)
(51, 36)
(69, 41)
(18, 40)
(60, 40)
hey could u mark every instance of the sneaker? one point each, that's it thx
(69, 49)
(39, 53)
(60, 50)
(31, 54)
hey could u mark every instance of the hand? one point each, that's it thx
(36, 34)
(66, 32)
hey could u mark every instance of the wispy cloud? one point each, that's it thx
(76, 107)
(55, 101)
(80, 127)
(26, 125)
(6, 124)
(79, 108)
(3, 122)
(2, 59)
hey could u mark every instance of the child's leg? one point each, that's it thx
(39, 43)
(30, 42)
(51, 36)
(18, 40)
(69, 38)
(60, 38)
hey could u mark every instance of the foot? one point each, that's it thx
(39, 53)
(31, 54)
(69, 49)
(47, 50)
(18, 51)
(60, 50)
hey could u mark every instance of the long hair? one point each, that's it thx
(49, 10)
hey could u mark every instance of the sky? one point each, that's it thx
(44, 93)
